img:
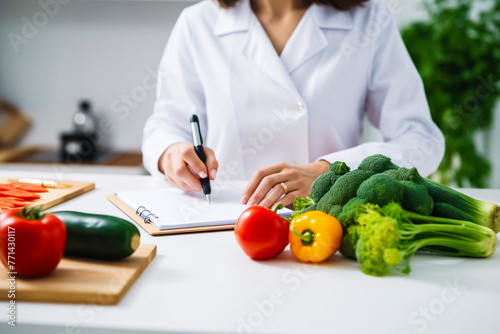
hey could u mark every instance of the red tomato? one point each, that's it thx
(35, 243)
(261, 233)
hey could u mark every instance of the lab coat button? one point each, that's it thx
(300, 107)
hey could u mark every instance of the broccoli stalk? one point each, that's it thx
(450, 203)
(390, 236)
(480, 212)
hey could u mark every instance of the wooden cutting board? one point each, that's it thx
(81, 280)
(58, 195)
(13, 153)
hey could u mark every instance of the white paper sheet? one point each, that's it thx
(173, 208)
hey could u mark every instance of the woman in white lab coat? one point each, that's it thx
(281, 87)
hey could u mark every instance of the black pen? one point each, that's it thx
(198, 147)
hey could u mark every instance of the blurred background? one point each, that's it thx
(77, 81)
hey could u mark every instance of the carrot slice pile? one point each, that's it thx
(18, 195)
(25, 195)
(18, 203)
(29, 187)
(6, 206)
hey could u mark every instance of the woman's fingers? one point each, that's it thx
(260, 183)
(179, 184)
(289, 198)
(273, 196)
(183, 174)
(183, 168)
(265, 187)
(212, 164)
(189, 156)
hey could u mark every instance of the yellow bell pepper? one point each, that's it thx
(314, 236)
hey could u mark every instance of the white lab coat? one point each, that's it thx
(257, 108)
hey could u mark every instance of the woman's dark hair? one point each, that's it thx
(339, 4)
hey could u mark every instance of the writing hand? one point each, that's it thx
(179, 158)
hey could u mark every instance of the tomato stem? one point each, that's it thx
(307, 236)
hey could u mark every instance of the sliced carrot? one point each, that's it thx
(29, 187)
(13, 200)
(25, 195)
(6, 206)
(5, 186)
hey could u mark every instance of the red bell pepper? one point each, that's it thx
(31, 244)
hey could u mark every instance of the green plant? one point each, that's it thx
(458, 56)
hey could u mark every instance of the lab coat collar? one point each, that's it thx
(307, 40)
(327, 17)
(233, 19)
(238, 18)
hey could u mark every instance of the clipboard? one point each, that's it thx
(154, 231)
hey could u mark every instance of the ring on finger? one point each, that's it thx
(285, 188)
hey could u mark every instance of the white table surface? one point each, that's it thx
(204, 283)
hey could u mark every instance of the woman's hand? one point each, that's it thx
(297, 179)
(183, 168)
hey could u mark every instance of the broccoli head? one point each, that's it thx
(377, 246)
(346, 186)
(349, 240)
(339, 168)
(301, 205)
(381, 189)
(322, 184)
(416, 198)
(401, 174)
(335, 210)
(377, 163)
(348, 214)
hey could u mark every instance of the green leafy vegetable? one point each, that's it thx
(390, 236)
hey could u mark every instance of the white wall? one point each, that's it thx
(89, 49)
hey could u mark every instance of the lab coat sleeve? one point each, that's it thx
(397, 106)
(179, 95)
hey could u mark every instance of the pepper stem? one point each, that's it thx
(276, 207)
(307, 236)
(31, 213)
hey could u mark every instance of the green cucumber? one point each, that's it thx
(98, 236)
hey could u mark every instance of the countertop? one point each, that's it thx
(204, 283)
